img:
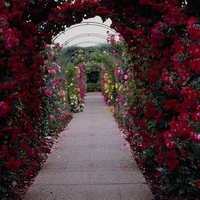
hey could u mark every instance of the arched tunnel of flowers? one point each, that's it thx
(93, 58)
(153, 85)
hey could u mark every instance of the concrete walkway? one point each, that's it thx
(88, 163)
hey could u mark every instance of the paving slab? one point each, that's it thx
(89, 163)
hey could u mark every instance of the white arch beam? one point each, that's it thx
(86, 24)
(84, 35)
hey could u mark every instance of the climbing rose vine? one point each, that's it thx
(157, 101)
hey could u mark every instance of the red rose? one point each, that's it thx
(194, 64)
(4, 150)
(150, 110)
(158, 117)
(152, 76)
(158, 146)
(16, 166)
(23, 161)
(28, 150)
(194, 50)
(179, 46)
(143, 124)
(169, 104)
(197, 183)
(33, 165)
(191, 22)
(15, 16)
(166, 78)
(28, 173)
(4, 109)
(145, 135)
(160, 158)
(196, 115)
(171, 160)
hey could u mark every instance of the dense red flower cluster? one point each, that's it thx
(150, 110)
(164, 43)
(4, 109)
(171, 159)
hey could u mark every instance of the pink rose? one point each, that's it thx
(4, 109)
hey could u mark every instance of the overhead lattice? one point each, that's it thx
(94, 37)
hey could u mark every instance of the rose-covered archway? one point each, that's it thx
(163, 40)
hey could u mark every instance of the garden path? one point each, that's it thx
(88, 162)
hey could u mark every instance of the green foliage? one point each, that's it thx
(94, 57)
(93, 77)
(93, 87)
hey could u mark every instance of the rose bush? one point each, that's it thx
(55, 109)
(75, 87)
(24, 33)
(160, 119)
